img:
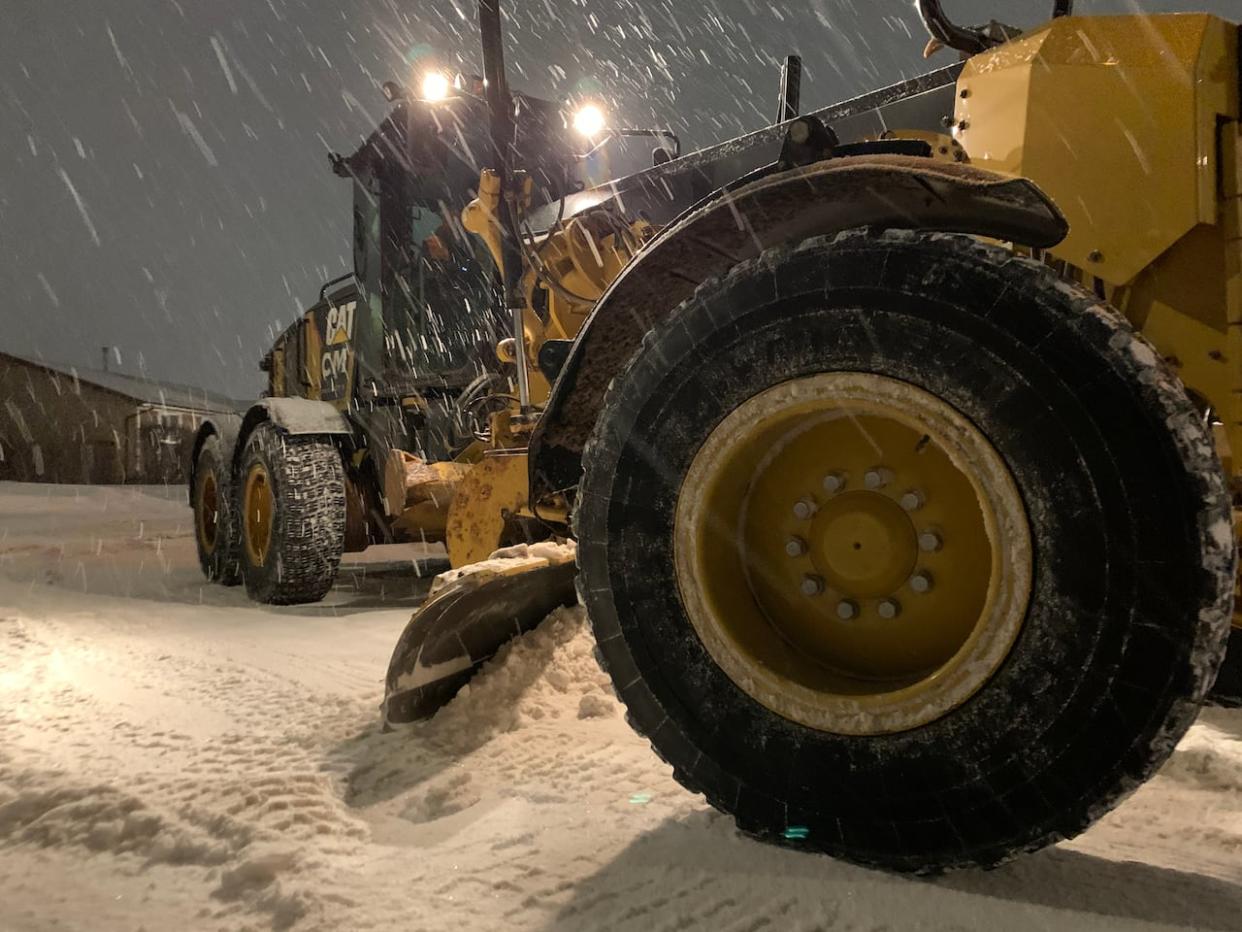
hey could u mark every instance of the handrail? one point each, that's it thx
(336, 281)
(969, 39)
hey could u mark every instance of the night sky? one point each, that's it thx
(165, 185)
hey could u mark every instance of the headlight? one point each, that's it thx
(589, 120)
(436, 85)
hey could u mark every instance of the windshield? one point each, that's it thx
(441, 297)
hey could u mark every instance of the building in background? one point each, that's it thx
(70, 424)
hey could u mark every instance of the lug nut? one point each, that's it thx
(889, 608)
(921, 582)
(795, 547)
(812, 585)
(912, 500)
(877, 478)
(834, 482)
(847, 609)
(929, 542)
(803, 509)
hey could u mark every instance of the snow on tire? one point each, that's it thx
(1131, 584)
(291, 491)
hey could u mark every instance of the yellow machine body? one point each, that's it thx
(314, 357)
(491, 494)
(1130, 124)
(575, 264)
(849, 550)
(566, 270)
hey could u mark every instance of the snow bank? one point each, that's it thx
(1209, 757)
(548, 674)
(103, 818)
(508, 560)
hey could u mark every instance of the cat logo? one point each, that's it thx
(336, 357)
(335, 364)
(339, 325)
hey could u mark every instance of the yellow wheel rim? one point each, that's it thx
(853, 553)
(259, 506)
(208, 512)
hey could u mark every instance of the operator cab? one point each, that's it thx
(424, 288)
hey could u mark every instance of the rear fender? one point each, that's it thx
(293, 416)
(883, 191)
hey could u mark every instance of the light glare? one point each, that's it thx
(435, 85)
(589, 120)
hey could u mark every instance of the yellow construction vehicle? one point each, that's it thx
(895, 438)
(390, 390)
(377, 395)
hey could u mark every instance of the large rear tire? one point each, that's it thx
(292, 503)
(960, 415)
(217, 533)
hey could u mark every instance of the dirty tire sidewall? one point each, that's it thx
(223, 563)
(1129, 518)
(308, 518)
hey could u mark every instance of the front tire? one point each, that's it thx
(706, 557)
(292, 495)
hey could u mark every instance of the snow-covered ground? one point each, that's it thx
(172, 757)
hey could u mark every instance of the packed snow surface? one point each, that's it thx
(173, 757)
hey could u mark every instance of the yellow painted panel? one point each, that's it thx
(276, 381)
(494, 488)
(1115, 117)
(311, 352)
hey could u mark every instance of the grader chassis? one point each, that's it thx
(898, 460)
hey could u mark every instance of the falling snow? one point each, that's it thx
(186, 114)
(77, 199)
(191, 760)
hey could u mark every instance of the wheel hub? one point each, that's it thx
(863, 544)
(259, 506)
(852, 552)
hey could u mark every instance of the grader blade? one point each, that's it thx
(451, 636)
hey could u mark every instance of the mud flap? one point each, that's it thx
(450, 637)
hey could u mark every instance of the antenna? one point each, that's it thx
(499, 105)
(500, 119)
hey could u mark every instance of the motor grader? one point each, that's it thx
(377, 394)
(895, 438)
